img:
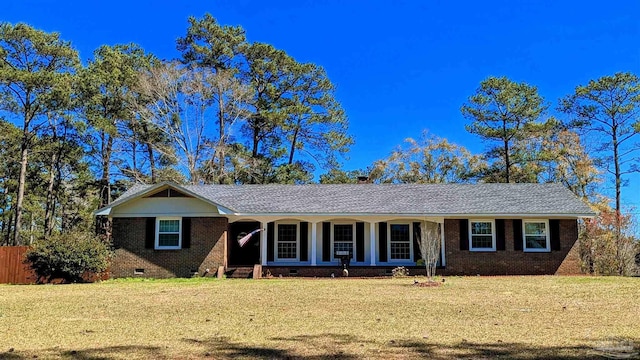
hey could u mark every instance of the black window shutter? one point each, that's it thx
(150, 233)
(360, 241)
(304, 241)
(517, 234)
(464, 234)
(186, 233)
(500, 242)
(382, 243)
(554, 234)
(417, 233)
(270, 240)
(326, 241)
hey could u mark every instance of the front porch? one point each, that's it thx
(311, 246)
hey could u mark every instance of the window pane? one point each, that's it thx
(287, 241)
(287, 232)
(343, 233)
(536, 242)
(169, 226)
(287, 250)
(400, 251)
(481, 228)
(343, 246)
(534, 228)
(400, 233)
(168, 239)
(482, 241)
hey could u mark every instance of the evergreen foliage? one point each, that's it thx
(72, 256)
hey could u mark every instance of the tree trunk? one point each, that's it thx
(256, 142)
(152, 161)
(21, 185)
(105, 181)
(618, 176)
(618, 213)
(50, 204)
(134, 158)
(193, 170)
(507, 160)
(293, 145)
(8, 236)
(221, 142)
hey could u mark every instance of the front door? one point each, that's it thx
(249, 254)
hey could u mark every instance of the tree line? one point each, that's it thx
(226, 112)
(229, 111)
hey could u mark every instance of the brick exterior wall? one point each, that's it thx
(207, 250)
(464, 262)
(209, 235)
(510, 261)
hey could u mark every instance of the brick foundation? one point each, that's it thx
(207, 250)
(326, 271)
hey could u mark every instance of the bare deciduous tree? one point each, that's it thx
(180, 102)
(429, 243)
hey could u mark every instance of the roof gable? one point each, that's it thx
(160, 190)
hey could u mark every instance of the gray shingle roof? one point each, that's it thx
(428, 199)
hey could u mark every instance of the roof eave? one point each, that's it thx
(446, 215)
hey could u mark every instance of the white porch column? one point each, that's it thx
(263, 243)
(314, 241)
(372, 242)
(442, 250)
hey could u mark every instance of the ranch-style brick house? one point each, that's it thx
(170, 230)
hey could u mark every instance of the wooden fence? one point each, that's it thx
(13, 269)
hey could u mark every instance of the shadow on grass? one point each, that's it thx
(467, 350)
(346, 347)
(223, 347)
(100, 353)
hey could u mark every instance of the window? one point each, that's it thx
(482, 236)
(343, 239)
(168, 233)
(399, 242)
(287, 242)
(536, 235)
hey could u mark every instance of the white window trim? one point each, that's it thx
(157, 242)
(411, 256)
(353, 226)
(276, 241)
(493, 235)
(524, 235)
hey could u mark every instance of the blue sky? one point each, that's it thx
(399, 66)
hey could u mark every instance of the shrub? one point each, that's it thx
(607, 244)
(69, 256)
(400, 271)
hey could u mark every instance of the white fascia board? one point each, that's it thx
(105, 211)
(412, 215)
(167, 215)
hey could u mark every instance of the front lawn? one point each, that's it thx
(467, 317)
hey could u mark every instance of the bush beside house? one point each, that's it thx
(69, 257)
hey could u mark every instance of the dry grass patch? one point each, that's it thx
(469, 317)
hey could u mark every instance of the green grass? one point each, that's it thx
(467, 317)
